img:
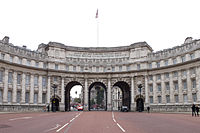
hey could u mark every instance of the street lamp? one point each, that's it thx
(140, 101)
(54, 97)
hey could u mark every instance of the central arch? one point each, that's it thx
(97, 86)
(126, 95)
(67, 93)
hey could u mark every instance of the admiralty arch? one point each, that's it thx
(166, 80)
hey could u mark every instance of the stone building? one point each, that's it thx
(170, 78)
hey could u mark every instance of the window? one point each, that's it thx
(27, 79)
(166, 75)
(82, 69)
(194, 97)
(104, 69)
(18, 96)
(35, 80)
(66, 67)
(138, 66)
(10, 77)
(150, 77)
(192, 71)
(27, 97)
(74, 68)
(168, 99)
(44, 80)
(176, 85)
(192, 56)
(120, 68)
(158, 77)
(175, 74)
(174, 61)
(11, 58)
(2, 56)
(19, 60)
(151, 99)
(166, 62)
(1, 76)
(44, 98)
(28, 62)
(150, 65)
(56, 66)
(194, 83)
(1, 96)
(37, 64)
(159, 87)
(35, 97)
(158, 64)
(159, 99)
(184, 73)
(9, 96)
(184, 85)
(185, 99)
(183, 58)
(44, 65)
(151, 88)
(19, 79)
(167, 86)
(113, 68)
(55, 79)
(128, 68)
(176, 98)
(97, 69)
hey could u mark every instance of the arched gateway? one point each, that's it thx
(169, 78)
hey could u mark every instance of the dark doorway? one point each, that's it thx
(97, 97)
(68, 88)
(126, 95)
(55, 104)
(140, 105)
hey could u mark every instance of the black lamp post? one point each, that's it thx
(54, 98)
(140, 101)
(118, 100)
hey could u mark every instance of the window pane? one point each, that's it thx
(27, 97)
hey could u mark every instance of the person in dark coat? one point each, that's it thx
(193, 110)
(48, 107)
(197, 110)
(148, 109)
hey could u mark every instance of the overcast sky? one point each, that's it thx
(161, 23)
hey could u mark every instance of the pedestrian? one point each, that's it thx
(197, 110)
(193, 110)
(48, 107)
(148, 109)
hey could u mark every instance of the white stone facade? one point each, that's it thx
(170, 78)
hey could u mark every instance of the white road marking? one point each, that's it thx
(20, 118)
(57, 125)
(62, 127)
(113, 117)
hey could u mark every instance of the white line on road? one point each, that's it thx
(113, 117)
(120, 127)
(20, 118)
(62, 127)
(57, 125)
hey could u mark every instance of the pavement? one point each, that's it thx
(98, 122)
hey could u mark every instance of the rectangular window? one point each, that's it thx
(185, 99)
(194, 83)
(1, 76)
(151, 88)
(158, 64)
(74, 68)
(158, 77)
(37, 64)
(176, 98)
(44, 80)
(55, 79)
(150, 65)
(9, 96)
(35, 97)
(113, 68)
(184, 85)
(192, 56)
(82, 69)
(167, 86)
(28, 62)
(183, 58)
(166, 63)
(44, 65)
(27, 79)
(35, 80)
(174, 61)
(127, 68)
(104, 69)
(175, 74)
(67, 68)
(192, 71)
(1, 96)
(168, 99)
(184, 73)
(18, 96)
(151, 99)
(19, 60)
(11, 58)
(166, 75)
(10, 77)
(56, 66)
(159, 87)
(27, 97)
(176, 85)
(138, 66)
(97, 69)
(159, 99)
(194, 97)
(44, 98)
(2, 56)
(19, 79)
(120, 68)
(150, 77)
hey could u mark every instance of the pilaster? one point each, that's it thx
(132, 95)
(40, 89)
(31, 89)
(5, 91)
(14, 93)
(23, 88)
(48, 89)
(86, 95)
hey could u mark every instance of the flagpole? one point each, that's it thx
(97, 19)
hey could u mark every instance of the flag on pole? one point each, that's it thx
(97, 14)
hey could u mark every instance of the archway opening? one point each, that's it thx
(123, 95)
(73, 96)
(97, 97)
(140, 104)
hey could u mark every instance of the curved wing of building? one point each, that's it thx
(166, 80)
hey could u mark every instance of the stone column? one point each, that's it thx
(5, 92)
(62, 91)
(180, 88)
(48, 89)
(171, 88)
(132, 95)
(198, 84)
(23, 88)
(86, 95)
(40, 89)
(31, 89)
(154, 90)
(189, 87)
(146, 91)
(109, 96)
(14, 95)
(163, 89)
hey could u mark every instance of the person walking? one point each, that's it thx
(48, 107)
(193, 110)
(197, 110)
(148, 109)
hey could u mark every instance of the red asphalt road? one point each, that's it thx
(98, 122)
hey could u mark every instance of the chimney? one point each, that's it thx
(24, 46)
